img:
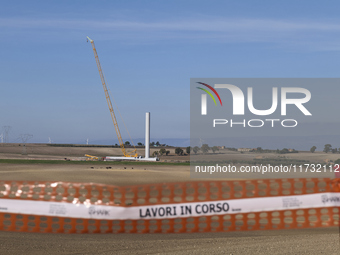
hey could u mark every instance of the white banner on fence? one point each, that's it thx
(168, 211)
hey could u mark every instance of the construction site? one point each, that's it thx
(127, 155)
(129, 191)
(253, 178)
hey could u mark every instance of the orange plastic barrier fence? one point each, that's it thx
(202, 206)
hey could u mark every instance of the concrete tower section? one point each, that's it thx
(147, 145)
(147, 135)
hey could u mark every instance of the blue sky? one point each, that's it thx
(148, 50)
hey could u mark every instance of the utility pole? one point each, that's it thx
(25, 138)
(7, 130)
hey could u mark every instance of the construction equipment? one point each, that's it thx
(125, 153)
(91, 158)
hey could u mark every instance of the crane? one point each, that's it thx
(121, 144)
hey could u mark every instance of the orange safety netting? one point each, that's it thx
(165, 194)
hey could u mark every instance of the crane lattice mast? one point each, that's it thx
(133, 153)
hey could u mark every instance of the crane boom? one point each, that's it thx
(113, 116)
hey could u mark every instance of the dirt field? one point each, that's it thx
(117, 175)
(308, 241)
(316, 241)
